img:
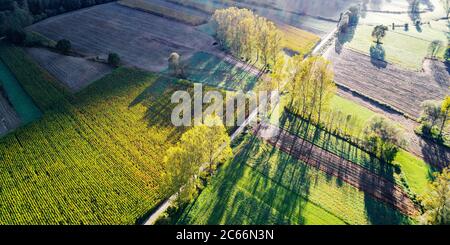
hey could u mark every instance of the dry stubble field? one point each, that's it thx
(402, 89)
(74, 72)
(141, 39)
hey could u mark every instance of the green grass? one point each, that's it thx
(22, 103)
(405, 48)
(211, 70)
(417, 173)
(263, 185)
(349, 107)
(94, 157)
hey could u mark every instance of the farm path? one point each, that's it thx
(353, 174)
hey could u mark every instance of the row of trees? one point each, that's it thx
(311, 89)
(16, 14)
(202, 145)
(247, 35)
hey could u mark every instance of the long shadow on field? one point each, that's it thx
(328, 141)
(377, 212)
(378, 56)
(290, 181)
(380, 213)
(259, 187)
(208, 69)
(435, 155)
(343, 38)
(156, 98)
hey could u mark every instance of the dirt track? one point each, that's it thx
(355, 175)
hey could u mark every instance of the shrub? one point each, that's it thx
(114, 59)
(382, 138)
(64, 46)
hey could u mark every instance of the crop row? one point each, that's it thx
(92, 158)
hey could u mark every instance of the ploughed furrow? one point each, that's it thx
(356, 175)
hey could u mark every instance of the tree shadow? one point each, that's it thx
(222, 73)
(378, 56)
(435, 155)
(255, 190)
(380, 213)
(339, 146)
(343, 38)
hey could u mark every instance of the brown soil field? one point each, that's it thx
(169, 10)
(322, 8)
(9, 120)
(74, 72)
(360, 177)
(404, 90)
(141, 39)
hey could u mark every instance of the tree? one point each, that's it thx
(246, 35)
(436, 200)
(64, 46)
(382, 138)
(353, 15)
(344, 23)
(445, 115)
(312, 86)
(179, 174)
(174, 65)
(217, 145)
(447, 55)
(207, 143)
(114, 59)
(431, 114)
(379, 32)
(278, 74)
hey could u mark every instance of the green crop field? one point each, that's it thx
(265, 186)
(99, 150)
(213, 71)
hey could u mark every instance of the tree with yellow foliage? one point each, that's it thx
(436, 201)
(203, 144)
(247, 35)
(312, 86)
